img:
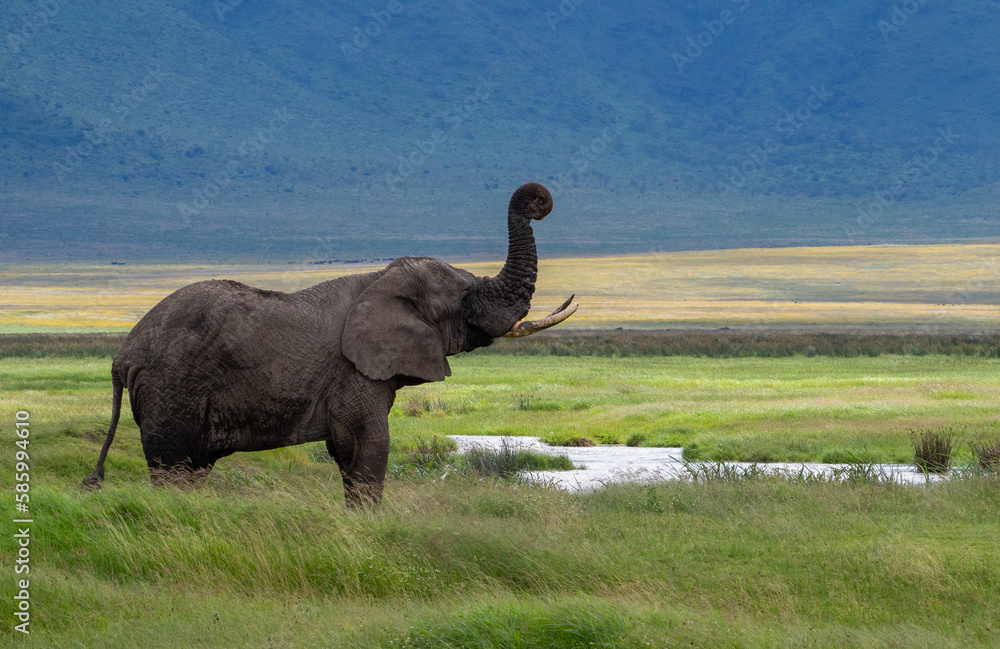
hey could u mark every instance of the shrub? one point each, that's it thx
(38, 345)
(706, 344)
(437, 457)
(699, 471)
(433, 450)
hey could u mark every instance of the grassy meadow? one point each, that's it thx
(882, 287)
(264, 554)
(793, 409)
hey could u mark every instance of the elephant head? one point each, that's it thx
(421, 310)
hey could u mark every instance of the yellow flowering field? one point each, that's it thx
(951, 286)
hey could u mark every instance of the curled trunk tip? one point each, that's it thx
(532, 201)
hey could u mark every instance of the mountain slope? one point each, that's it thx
(322, 130)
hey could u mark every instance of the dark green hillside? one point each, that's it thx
(302, 130)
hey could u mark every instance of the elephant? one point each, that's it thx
(219, 367)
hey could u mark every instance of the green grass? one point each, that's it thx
(264, 554)
(753, 409)
(469, 562)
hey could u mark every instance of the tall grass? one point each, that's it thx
(436, 457)
(511, 458)
(762, 562)
(41, 345)
(854, 473)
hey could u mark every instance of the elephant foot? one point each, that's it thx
(92, 482)
(362, 496)
(362, 501)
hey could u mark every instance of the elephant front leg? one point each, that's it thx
(362, 455)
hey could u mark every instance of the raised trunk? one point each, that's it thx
(499, 302)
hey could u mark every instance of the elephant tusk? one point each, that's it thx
(528, 327)
(562, 307)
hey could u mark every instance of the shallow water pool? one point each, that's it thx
(615, 463)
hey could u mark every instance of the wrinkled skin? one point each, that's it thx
(219, 367)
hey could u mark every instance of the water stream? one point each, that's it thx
(615, 463)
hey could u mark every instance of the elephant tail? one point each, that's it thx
(94, 480)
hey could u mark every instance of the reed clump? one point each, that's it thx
(932, 450)
(42, 345)
(987, 453)
(741, 344)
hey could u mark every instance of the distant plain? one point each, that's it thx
(923, 287)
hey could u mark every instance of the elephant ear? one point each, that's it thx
(385, 334)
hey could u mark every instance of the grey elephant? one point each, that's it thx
(219, 367)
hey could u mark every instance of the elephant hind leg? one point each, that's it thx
(175, 448)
